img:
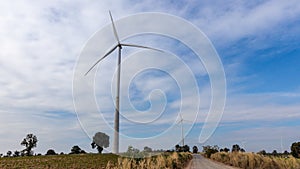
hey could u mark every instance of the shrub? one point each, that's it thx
(51, 152)
(209, 150)
(295, 149)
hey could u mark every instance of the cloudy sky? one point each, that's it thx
(42, 42)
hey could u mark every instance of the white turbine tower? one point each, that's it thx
(119, 45)
(182, 133)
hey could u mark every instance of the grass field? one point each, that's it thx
(254, 161)
(95, 161)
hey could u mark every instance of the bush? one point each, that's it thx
(195, 149)
(209, 150)
(295, 149)
(51, 152)
(235, 148)
(77, 150)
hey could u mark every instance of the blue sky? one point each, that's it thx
(257, 41)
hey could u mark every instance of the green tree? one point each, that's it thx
(16, 153)
(100, 141)
(235, 148)
(147, 149)
(295, 149)
(134, 152)
(186, 148)
(226, 149)
(51, 152)
(262, 152)
(177, 148)
(195, 149)
(77, 150)
(30, 141)
(9, 153)
(209, 150)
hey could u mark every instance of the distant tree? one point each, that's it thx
(177, 148)
(30, 141)
(235, 148)
(262, 152)
(209, 150)
(131, 149)
(1, 155)
(16, 153)
(50, 152)
(77, 150)
(243, 150)
(147, 149)
(100, 141)
(274, 152)
(133, 152)
(186, 148)
(226, 149)
(195, 149)
(295, 149)
(9, 153)
(23, 153)
(286, 152)
(62, 153)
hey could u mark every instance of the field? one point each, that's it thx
(59, 161)
(253, 161)
(94, 161)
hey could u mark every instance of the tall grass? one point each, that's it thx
(163, 161)
(256, 161)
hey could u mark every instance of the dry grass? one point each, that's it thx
(256, 161)
(164, 161)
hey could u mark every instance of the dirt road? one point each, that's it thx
(199, 162)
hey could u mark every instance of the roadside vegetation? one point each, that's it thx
(253, 161)
(262, 160)
(173, 160)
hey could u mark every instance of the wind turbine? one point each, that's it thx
(119, 45)
(182, 135)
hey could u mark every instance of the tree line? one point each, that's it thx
(100, 141)
(295, 150)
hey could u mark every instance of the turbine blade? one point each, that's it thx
(109, 52)
(139, 46)
(114, 28)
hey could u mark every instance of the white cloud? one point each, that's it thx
(234, 20)
(40, 42)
